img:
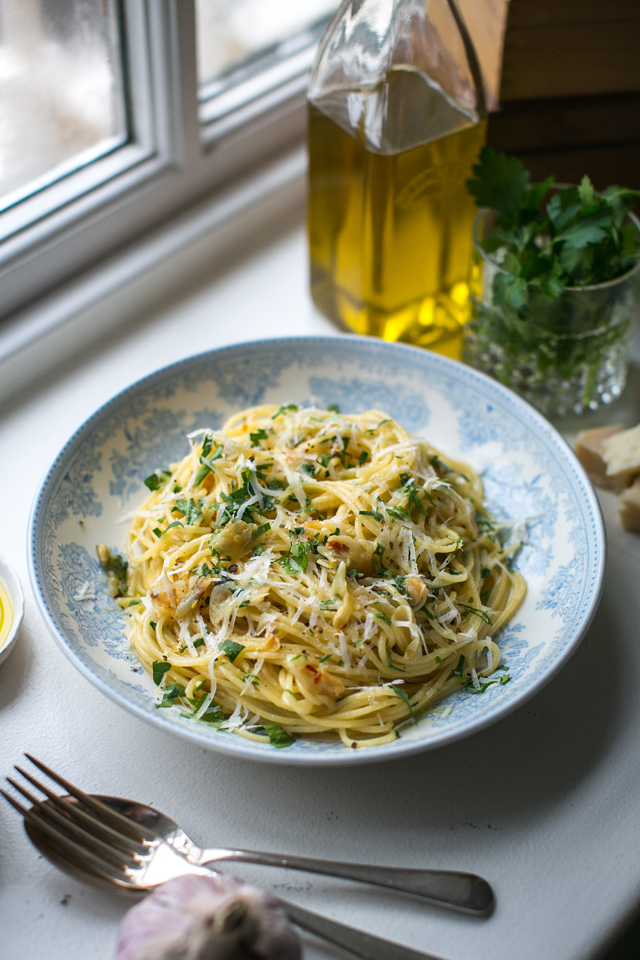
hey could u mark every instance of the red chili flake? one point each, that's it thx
(336, 545)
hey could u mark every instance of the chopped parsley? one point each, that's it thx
(334, 408)
(478, 613)
(326, 657)
(257, 436)
(383, 616)
(362, 459)
(296, 560)
(372, 513)
(278, 737)
(232, 649)
(483, 684)
(398, 513)
(207, 460)
(171, 693)
(284, 409)
(158, 669)
(157, 480)
(191, 510)
(400, 693)
(115, 566)
(391, 665)
(176, 523)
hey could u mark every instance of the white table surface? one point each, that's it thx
(544, 804)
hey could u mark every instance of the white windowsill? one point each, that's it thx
(151, 271)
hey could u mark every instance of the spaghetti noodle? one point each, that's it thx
(304, 572)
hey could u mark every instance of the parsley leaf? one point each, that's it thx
(296, 560)
(257, 436)
(500, 182)
(478, 613)
(158, 670)
(207, 461)
(278, 737)
(391, 665)
(483, 684)
(232, 649)
(372, 513)
(383, 616)
(398, 513)
(157, 480)
(283, 409)
(171, 692)
(191, 510)
(400, 693)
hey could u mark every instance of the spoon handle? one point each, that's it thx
(362, 945)
(461, 891)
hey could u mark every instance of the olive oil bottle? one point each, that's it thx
(390, 148)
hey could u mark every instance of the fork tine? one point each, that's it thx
(75, 813)
(81, 853)
(101, 809)
(62, 824)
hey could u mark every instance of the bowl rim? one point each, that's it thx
(12, 582)
(236, 746)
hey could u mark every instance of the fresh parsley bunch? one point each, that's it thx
(549, 238)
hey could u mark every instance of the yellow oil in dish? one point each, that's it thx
(6, 614)
(390, 235)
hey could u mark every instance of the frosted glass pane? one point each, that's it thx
(232, 31)
(61, 97)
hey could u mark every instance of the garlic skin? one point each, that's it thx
(207, 918)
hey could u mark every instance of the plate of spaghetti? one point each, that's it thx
(317, 550)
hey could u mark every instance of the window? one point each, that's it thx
(253, 54)
(116, 115)
(61, 91)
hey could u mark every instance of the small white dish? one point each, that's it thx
(10, 580)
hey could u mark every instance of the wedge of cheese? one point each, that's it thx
(621, 453)
(589, 451)
(630, 508)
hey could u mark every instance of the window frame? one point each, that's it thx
(172, 160)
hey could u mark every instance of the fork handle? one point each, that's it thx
(461, 891)
(362, 945)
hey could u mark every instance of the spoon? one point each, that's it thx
(59, 851)
(462, 891)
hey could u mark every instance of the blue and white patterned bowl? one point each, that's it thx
(529, 472)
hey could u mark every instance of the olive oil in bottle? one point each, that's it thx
(389, 217)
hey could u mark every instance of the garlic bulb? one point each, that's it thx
(207, 918)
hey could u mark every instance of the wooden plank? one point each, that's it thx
(554, 13)
(551, 124)
(604, 165)
(587, 58)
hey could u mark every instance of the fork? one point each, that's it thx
(462, 891)
(88, 837)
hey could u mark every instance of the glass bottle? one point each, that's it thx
(396, 120)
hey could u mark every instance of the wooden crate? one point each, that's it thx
(569, 88)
